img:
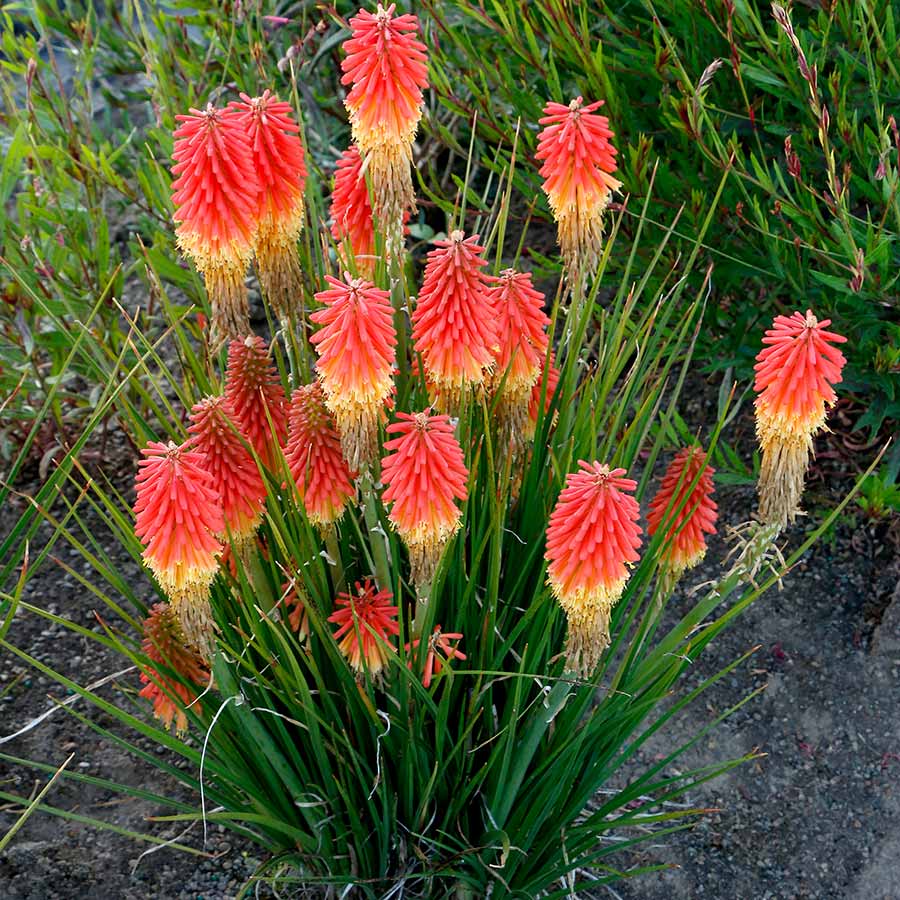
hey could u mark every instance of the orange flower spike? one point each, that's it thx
(364, 619)
(685, 530)
(356, 361)
(255, 397)
(522, 338)
(454, 325)
(279, 162)
(440, 652)
(313, 453)
(215, 194)
(351, 212)
(233, 469)
(424, 473)
(795, 377)
(385, 65)
(164, 644)
(178, 513)
(592, 536)
(578, 158)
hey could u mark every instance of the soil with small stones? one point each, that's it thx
(816, 814)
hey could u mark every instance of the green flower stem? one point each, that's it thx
(377, 537)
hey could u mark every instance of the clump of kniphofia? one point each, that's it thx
(683, 507)
(454, 326)
(216, 197)
(255, 397)
(578, 158)
(425, 475)
(277, 153)
(178, 513)
(231, 465)
(385, 65)
(592, 538)
(313, 453)
(795, 377)
(366, 621)
(355, 345)
(164, 645)
(522, 346)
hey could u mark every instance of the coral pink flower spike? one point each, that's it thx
(362, 619)
(178, 513)
(385, 66)
(592, 537)
(355, 345)
(216, 196)
(234, 471)
(685, 530)
(351, 212)
(164, 644)
(255, 397)
(425, 473)
(454, 325)
(313, 453)
(578, 158)
(278, 160)
(795, 377)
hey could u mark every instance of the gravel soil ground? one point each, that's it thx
(816, 815)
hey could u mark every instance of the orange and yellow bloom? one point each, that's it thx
(355, 345)
(425, 474)
(366, 621)
(255, 397)
(578, 159)
(454, 326)
(233, 469)
(592, 538)
(216, 197)
(688, 488)
(522, 346)
(351, 213)
(385, 66)
(795, 376)
(178, 515)
(313, 452)
(164, 645)
(278, 160)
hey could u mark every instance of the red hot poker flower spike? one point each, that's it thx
(255, 397)
(578, 161)
(454, 326)
(592, 537)
(313, 453)
(164, 645)
(279, 163)
(365, 620)
(795, 376)
(685, 530)
(178, 513)
(216, 193)
(425, 473)
(440, 652)
(351, 212)
(522, 338)
(385, 65)
(356, 361)
(232, 467)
